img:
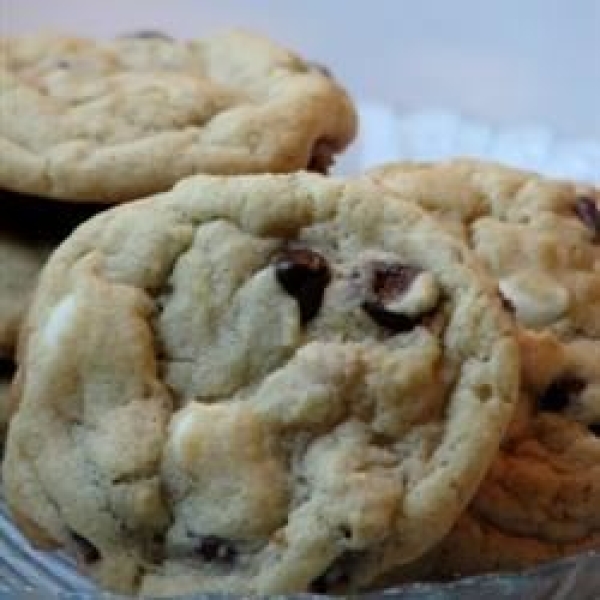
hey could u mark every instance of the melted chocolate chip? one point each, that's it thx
(560, 393)
(595, 428)
(304, 275)
(589, 213)
(390, 282)
(212, 548)
(321, 158)
(85, 549)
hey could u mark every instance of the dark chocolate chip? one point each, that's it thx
(321, 158)
(346, 531)
(560, 393)
(589, 213)
(304, 275)
(148, 34)
(155, 549)
(85, 549)
(507, 305)
(595, 428)
(321, 68)
(390, 281)
(396, 322)
(212, 548)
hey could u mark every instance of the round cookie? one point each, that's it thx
(541, 240)
(540, 499)
(117, 120)
(30, 228)
(257, 384)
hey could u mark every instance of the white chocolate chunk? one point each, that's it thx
(59, 321)
(421, 296)
(225, 450)
(537, 298)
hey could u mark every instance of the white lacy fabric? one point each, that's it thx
(388, 135)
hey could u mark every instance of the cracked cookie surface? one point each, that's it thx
(272, 384)
(541, 240)
(114, 121)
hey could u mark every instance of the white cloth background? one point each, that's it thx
(388, 135)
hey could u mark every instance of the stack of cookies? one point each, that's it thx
(86, 125)
(252, 378)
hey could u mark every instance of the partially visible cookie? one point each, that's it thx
(540, 499)
(256, 384)
(30, 228)
(114, 121)
(541, 240)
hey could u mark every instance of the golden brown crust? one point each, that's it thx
(194, 398)
(539, 239)
(114, 121)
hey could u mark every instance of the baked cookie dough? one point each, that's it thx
(111, 121)
(257, 384)
(540, 239)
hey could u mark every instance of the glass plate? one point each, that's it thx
(30, 575)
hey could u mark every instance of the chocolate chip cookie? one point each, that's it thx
(540, 499)
(541, 240)
(257, 384)
(114, 121)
